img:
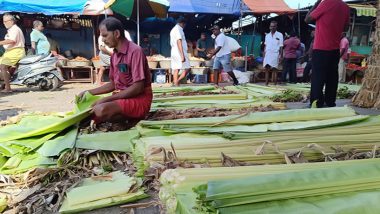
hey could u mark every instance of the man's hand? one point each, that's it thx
(100, 101)
(80, 95)
(103, 49)
(183, 58)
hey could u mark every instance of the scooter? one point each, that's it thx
(38, 70)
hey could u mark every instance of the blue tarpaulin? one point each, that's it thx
(210, 6)
(47, 7)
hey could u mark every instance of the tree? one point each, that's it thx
(369, 94)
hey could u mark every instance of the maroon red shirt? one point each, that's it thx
(331, 17)
(291, 46)
(129, 65)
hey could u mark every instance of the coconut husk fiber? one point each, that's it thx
(369, 94)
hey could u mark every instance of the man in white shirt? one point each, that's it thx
(179, 57)
(222, 55)
(274, 42)
(14, 45)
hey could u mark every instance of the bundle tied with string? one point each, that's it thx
(369, 94)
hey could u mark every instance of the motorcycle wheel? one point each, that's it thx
(49, 84)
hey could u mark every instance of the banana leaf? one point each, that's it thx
(3, 160)
(36, 126)
(32, 143)
(112, 141)
(286, 126)
(106, 202)
(29, 162)
(3, 203)
(54, 147)
(364, 202)
(84, 103)
(102, 191)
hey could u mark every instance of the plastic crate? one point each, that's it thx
(159, 76)
(200, 78)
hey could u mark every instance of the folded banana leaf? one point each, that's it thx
(3, 203)
(101, 191)
(84, 103)
(111, 141)
(54, 147)
(27, 162)
(2, 160)
(36, 126)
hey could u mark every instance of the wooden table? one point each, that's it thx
(69, 73)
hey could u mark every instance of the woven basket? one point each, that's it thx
(97, 63)
(74, 63)
(165, 64)
(152, 64)
(195, 63)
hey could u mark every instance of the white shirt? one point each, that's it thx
(221, 41)
(274, 42)
(176, 58)
(101, 43)
(15, 34)
(175, 34)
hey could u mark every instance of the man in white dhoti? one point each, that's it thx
(274, 41)
(179, 57)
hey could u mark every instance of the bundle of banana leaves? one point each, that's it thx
(312, 187)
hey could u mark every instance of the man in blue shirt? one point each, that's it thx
(40, 43)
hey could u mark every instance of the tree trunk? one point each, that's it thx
(369, 94)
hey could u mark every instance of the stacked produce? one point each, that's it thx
(274, 138)
(312, 187)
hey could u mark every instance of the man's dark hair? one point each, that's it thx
(145, 36)
(203, 33)
(293, 34)
(273, 22)
(181, 19)
(216, 27)
(113, 24)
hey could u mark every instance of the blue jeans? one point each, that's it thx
(223, 62)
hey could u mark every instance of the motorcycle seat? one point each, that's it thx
(31, 59)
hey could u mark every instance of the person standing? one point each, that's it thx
(130, 79)
(222, 55)
(202, 46)
(146, 46)
(54, 45)
(308, 57)
(274, 41)
(344, 47)
(14, 45)
(179, 57)
(332, 19)
(40, 43)
(291, 45)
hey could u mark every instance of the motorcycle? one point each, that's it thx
(38, 70)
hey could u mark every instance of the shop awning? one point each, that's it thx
(364, 10)
(202, 6)
(47, 7)
(268, 6)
